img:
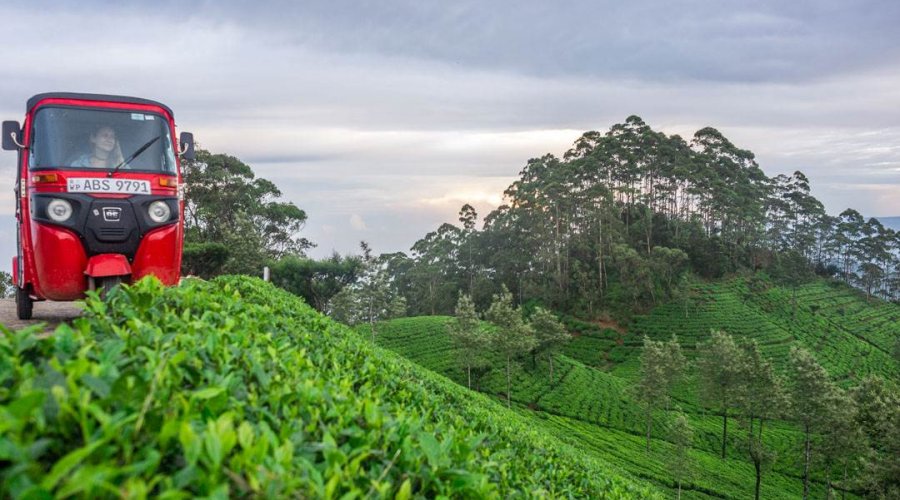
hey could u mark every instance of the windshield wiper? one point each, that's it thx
(133, 155)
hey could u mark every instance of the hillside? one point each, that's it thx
(851, 337)
(589, 404)
(233, 387)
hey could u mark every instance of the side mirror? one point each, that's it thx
(186, 145)
(12, 136)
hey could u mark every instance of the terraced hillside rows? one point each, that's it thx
(849, 336)
(235, 388)
(593, 411)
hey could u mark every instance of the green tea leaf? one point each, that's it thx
(65, 465)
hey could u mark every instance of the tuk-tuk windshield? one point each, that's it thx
(67, 137)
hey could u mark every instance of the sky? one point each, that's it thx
(381, 119)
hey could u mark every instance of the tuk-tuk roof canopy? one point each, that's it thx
(94, 97)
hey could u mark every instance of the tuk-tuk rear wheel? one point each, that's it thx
(24, 304)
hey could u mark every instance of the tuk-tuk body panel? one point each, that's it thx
(60, 261)
(160, 255)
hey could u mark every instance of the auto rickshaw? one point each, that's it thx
(99, 195)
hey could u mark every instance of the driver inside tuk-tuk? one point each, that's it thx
(105, 151)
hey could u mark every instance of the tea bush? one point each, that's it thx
(235, 388)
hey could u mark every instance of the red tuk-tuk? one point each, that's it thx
(99, 195)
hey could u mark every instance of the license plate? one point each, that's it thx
(101, 185)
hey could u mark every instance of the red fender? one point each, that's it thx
(107, 264)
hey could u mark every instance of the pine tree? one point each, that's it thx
(878, 414)
(809, 392)
(549, 334)
(762, 398)
(466, 334)
(843, 442)
(512, 337)
(675, 364)
(650, 390)
(721, 367)
(680, 463)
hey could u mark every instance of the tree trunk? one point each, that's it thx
(649, 426)
(794, 303)
(724, 429)
(551, 369)
(508, 404)
(844, 484)
(679, 489)
(469, 373)
(758, 466)
(806, 463)
(372, 318)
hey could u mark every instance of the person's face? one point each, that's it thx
(104, 139)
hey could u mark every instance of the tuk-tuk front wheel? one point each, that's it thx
(24, 304)
(108, 283)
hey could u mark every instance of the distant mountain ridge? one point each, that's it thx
(891, 222)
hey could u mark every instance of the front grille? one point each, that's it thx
(112, 231)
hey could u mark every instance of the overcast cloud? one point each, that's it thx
(380, 119)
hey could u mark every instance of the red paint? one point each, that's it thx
(103, 105)
(107, 264)
(160, 255)
(59, 260)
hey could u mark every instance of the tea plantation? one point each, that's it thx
(589, 405)
(235, 388)
(850, 337)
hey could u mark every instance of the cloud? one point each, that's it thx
(357, 222)
(400, 111)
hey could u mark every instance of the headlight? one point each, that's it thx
(159, 211)
(59, 210)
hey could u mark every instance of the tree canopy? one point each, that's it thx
(234, 221)
(617, 222)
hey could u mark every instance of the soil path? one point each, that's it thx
(50, 313)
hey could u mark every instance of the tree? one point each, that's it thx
(878, 414)
(617, 223)
(512, 337)
(871, 274)
(673, 367)
(721, 366)
(228, 205)
(650, 389)
(370, 299)
(467, 335)
(550, 335)
(680, 463)
(668, 266)
(468, 217)
(317, 281)
(809, 391)
(435, 276)
(843, 442)
(204, 259)
(635, 275)
(762, 397)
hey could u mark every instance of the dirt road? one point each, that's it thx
(51, 313)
